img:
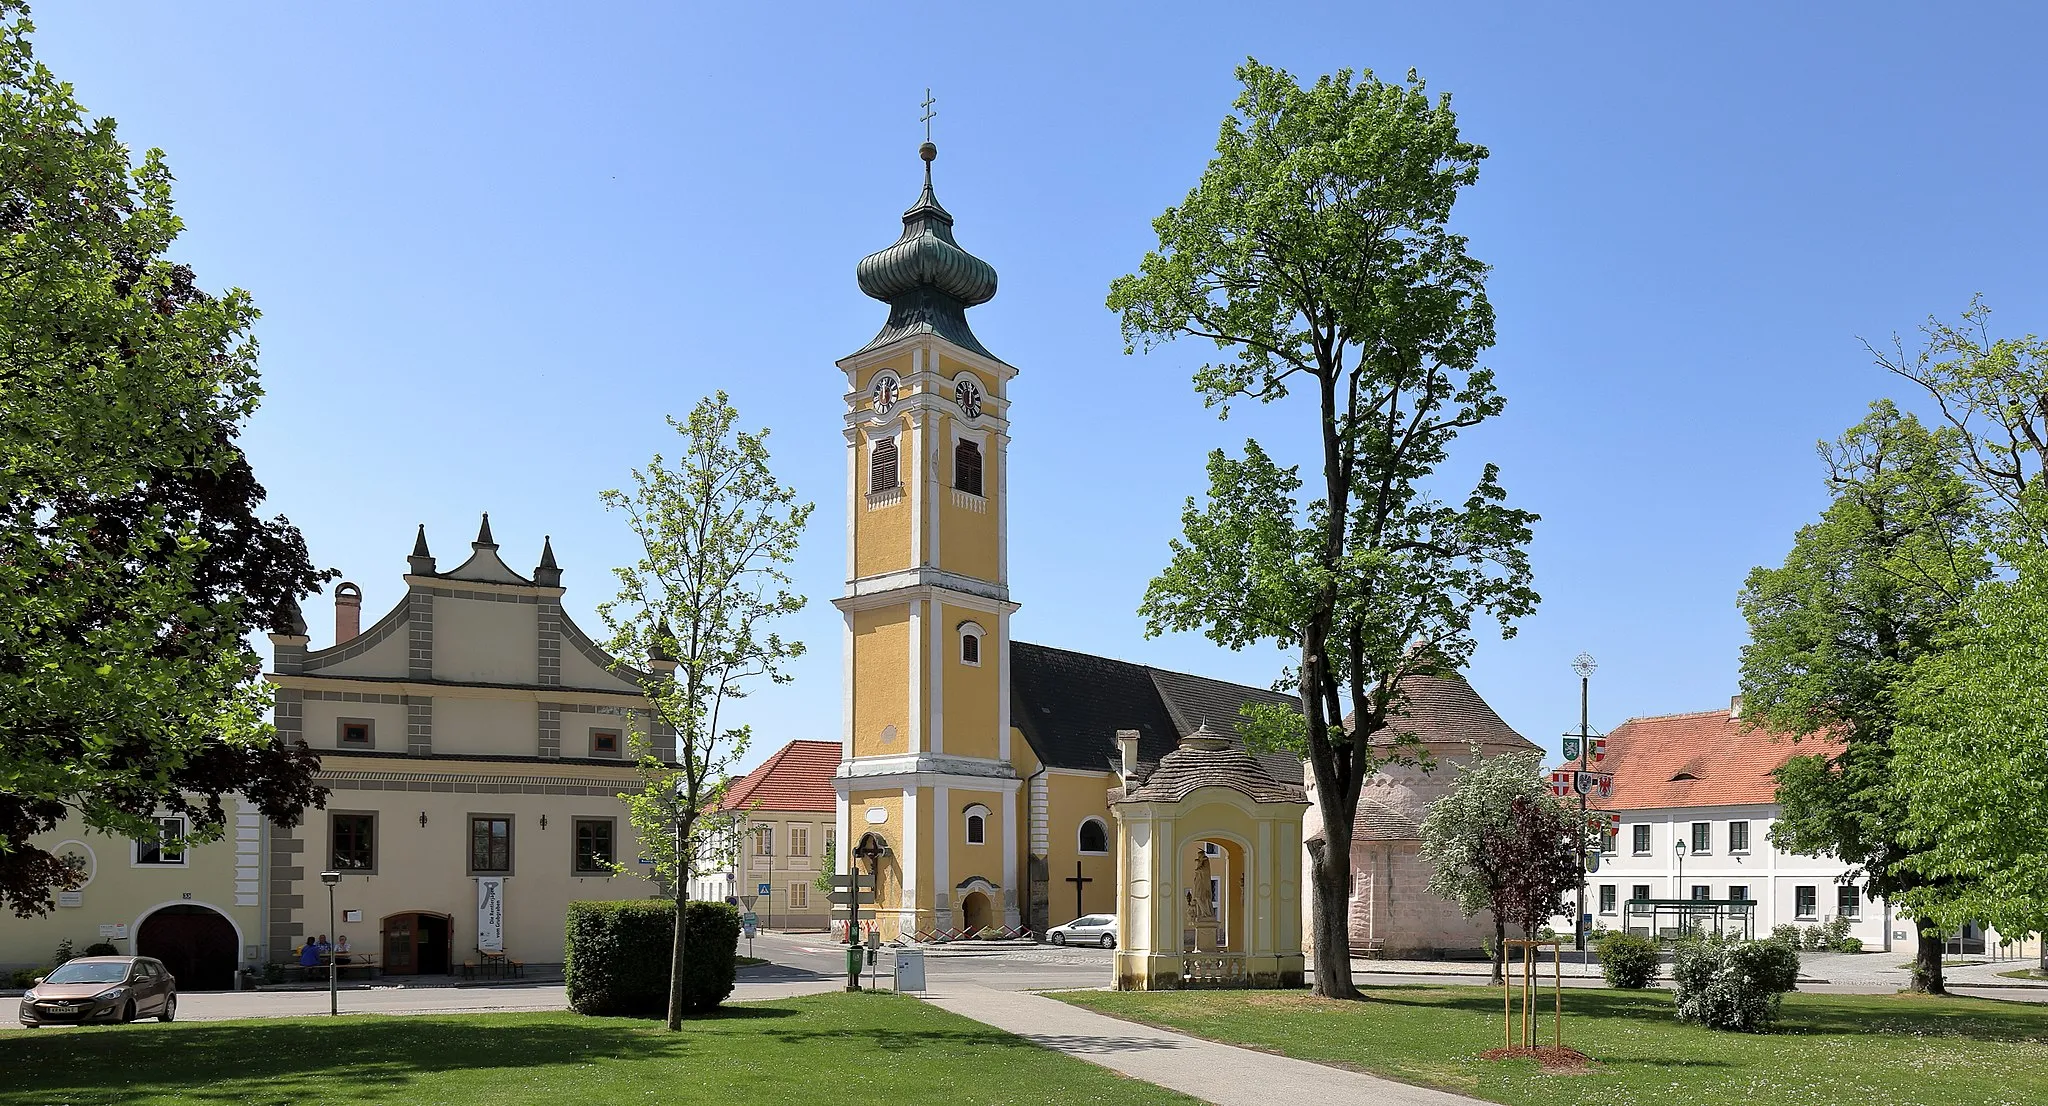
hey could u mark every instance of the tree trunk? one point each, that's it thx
(1927, 961)
(1500, 949)
(678, 951)
(1330, 885)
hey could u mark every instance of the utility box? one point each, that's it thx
(909, 970)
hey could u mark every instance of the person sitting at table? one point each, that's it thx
(340, 949)
(309, 956)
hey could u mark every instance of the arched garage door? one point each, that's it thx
(197, 944)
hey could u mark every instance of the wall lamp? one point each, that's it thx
(423, 819)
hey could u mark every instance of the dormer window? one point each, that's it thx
(971, 634)
(967, 467)
(882, 467)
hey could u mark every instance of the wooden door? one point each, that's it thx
(401, 932)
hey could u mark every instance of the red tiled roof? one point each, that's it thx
(1700, 759)
(797, 777)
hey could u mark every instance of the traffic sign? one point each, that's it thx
(844, 913)
(762, 891)
(865, 883)
(747, 901)
(750, 919)
(865, 896)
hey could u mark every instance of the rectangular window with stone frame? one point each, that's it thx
(159, 854)
(490, 844)
(352, 837)
(967, 467)
(606, 743)
(882, 467)
(594, 846)
(355, 733)
(1639, 838)
(799, 840)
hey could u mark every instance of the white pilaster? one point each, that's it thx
(941, 641)
(1002, 452)
(1003, 686)
(942, 856)
(906, 853)
(915, 723)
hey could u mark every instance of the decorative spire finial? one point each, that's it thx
(548, 574)
(483, 533)
(421, 561)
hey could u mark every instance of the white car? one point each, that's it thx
(1088, 929)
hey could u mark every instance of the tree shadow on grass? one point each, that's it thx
(305, 1060)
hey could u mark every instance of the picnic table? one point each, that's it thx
(363, 962)
(492, 964)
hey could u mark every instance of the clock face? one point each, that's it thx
(883, 392)
(968, 396)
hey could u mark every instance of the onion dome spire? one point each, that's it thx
(927, 280)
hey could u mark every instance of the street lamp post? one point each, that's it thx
(333, 992)
(1584, 666)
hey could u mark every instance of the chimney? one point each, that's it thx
(1735, 706)
(1127, 743)
(348, 612)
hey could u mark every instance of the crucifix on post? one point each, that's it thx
(1077, 879)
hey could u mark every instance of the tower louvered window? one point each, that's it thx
(967, 467)
(882, 467)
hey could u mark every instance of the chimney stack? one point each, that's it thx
(348, 612)
(1127, 743)
(1735, 706)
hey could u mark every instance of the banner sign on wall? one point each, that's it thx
(490, 913)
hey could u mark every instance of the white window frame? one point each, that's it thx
(1744, 850)
(1610, 897)
(184, 855)
(1642, 830)
(1104, 851)
(1694, 843)
(1813, 909)
(967, 827)
(966, 630)
(764, 840)
(799, 834)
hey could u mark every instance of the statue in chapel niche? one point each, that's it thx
(1200, 908)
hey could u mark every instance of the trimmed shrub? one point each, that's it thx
(101, 948)
(1627, 960)
(1732, 985)
(1852, 944)
(616, 960)
(1788, 934)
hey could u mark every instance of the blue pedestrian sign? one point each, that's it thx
(763, 890)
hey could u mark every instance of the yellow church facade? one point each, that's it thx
(980, 766)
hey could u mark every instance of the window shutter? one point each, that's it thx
(967, 467)
(970, 649)
(882, 466)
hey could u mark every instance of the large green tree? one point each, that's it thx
(1315, 252)
(1499, 841)
(1875, 586)
(716, 532)
(1971, 738)
(133, 566)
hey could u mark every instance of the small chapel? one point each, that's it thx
(985, 774)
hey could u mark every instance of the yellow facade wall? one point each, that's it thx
(881, 679)
(1076, 798)
(889, 888)
(881, 531)
(972, 693)
(964, 859)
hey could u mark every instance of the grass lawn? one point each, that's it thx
(826, 1049)
(1855, 1050)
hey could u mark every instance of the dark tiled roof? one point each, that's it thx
(1210, 761)
(1070, 705)
(1444, 710)
(1377, 821)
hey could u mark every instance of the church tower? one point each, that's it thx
(926, 771)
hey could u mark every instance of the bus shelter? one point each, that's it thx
(1666, 919)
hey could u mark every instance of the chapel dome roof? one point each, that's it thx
(1206, 760)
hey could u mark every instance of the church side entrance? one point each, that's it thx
(416, 943)
(976, 912)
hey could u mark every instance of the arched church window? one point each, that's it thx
(977, 824)
(882, 467)
(967, 467)
(970, 643)
(1094, 836)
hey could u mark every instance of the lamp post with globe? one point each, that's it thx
(333, 992)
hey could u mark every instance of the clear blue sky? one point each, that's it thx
(495, 244)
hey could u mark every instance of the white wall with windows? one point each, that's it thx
(1727, 851)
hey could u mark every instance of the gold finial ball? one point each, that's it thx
(928, 151)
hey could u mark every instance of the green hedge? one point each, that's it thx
(616, 961)
(1628, 960)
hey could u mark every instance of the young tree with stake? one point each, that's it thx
(716, 531)
(1315, 249)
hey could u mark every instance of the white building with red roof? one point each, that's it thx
(787, 830)
(1696, 802)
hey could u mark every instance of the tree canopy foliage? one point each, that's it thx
(1878, 584)
(1316, 253)
(133, 565)
(716, 531)
(1499, 841)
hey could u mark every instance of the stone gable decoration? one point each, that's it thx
(1209, 856)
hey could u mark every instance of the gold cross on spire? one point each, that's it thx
(928, 115)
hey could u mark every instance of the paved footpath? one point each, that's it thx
(1223, 1074)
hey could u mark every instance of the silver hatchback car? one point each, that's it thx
(101, 989)
(1088, 929)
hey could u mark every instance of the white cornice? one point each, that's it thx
(925, 582)
(370, 685)
(896, 349)
(481, 587)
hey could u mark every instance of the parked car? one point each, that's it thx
(101, 989)
(1088, 929)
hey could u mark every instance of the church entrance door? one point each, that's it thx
(975, 912)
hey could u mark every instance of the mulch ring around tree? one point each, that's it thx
(1554, 1060)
